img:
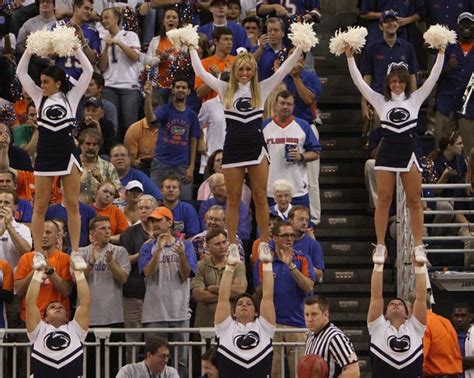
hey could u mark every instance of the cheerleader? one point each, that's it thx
(398, 110)
(243, 98)
(57, 154)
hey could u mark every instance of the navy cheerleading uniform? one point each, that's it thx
(398, 118)
(244, 143)
(56, 150)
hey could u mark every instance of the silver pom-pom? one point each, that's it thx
(439, 36)
(354, 38)
(302, 35)
(40, 43)
(65, 41)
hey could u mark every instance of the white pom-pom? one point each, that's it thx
(65, 41)
(439, 36)
(302, 35)
(354, 38)
(184, 37)
(40, 43)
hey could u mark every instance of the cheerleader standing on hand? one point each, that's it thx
(243, 98)
(57, 154)
(398, 110)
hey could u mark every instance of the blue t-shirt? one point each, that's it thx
(311, 248)
(244, 217)
(298, 7)
(186, 220)
(312, 82)
(87, 214)
(71, 65)
(23, 211)
(403, 8)
(149, 186)
(239, 36)
(452, 84)
(378, 55)
(287, 295)
(446, 12)
(145, 255)
(175, 132)
(265, 63)
(458, 163)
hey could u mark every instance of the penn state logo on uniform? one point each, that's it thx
(243, 104)
(399, 344)
(398, 115)
(56, 341)
(55, 112)
(247, 341)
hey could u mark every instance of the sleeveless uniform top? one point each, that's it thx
(244, 143)
(57, 352)
(245, 350)
(56, 150)
(398, 118)
(396, 353)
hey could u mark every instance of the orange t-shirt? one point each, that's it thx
(254, 256)
(221, 64)
(118, 220)
(25, 187)
(164, 79)
(7, 272)
(48, 293)
(20, 108)
(441, 354)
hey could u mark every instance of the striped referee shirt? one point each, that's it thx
(334, 346)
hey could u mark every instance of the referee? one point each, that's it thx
(328, 341)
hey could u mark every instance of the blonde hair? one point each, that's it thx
(242, 59)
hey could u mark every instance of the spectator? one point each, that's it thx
(104, 207)
(162, 52)
(23, 210)
(218, 8)
(405, 13)
(95, 169)
(176, 146)
(446, 12)
(251, 24)
(380, 53)
(119, 64)
(157, 354)
(274, 218)
(296, 277)
(270, 48)
(233, 10)
(452, 86)
(282, 132)
(328, 341)
(205, 285)
(45, 19)
(282, 9)
(129, 206)
(283, 195)
(185, 216)
(95, 89)
(6, 291)
(391, 353)
(57, 285)
(88, 36)
(121, 160)
(26, 135)
(461, 317)
(94, 118)
(441, 354)
(17, 157)
(304, 240)
(215, 220)
(219, 192)
(167, 263)
(218, 63)
(209, 364)
(132, 240)
(107, 271)
(86, 211)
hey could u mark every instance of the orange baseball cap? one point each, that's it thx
(161, 212)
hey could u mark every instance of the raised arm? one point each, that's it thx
(419, 306)
(33, 315)
(82, 312)
(424, 91)
(267, 307)
(26, 81)
(223, 308)
(211, 81)
(268, 85)
(76, 93)
(376, 294)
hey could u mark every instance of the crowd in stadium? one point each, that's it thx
(143, 185)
